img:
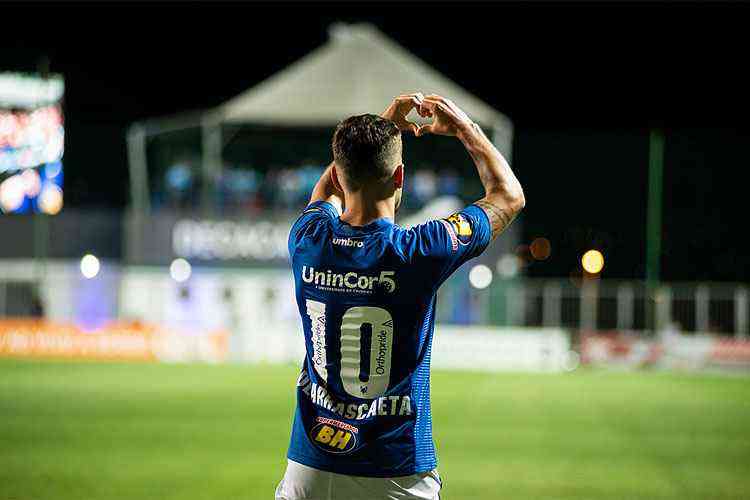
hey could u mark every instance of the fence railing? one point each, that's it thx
(60, 292)
(617, 305)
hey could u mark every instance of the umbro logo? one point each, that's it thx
(348, 242)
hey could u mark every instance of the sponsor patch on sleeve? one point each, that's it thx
(451, 234)
(461, 227)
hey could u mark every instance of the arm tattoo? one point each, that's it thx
(500, 218)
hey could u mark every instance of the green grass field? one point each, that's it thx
(88, 431)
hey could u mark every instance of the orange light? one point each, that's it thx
(51, 199)
(523, 253)
(541, 248)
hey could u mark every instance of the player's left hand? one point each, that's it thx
(401, 107)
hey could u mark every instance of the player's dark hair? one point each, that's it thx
(366, 149)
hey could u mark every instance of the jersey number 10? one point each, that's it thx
(366, 335)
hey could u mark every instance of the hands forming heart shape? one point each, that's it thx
(448, 119)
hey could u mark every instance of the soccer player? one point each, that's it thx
(366, 292)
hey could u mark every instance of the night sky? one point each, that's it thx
(582, 83)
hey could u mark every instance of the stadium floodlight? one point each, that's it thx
(90, 266)
(180, 270)
(593, 262)
(480, 276)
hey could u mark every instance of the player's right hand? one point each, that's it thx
(448, 119)
(401, 107)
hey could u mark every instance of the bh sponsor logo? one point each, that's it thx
(334, 436)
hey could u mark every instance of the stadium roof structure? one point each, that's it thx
(359, 70)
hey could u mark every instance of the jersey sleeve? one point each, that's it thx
(308, 220)
(448, 243)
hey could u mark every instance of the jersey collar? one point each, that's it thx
(373, 226)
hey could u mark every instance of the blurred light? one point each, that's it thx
(53, 169)
(51, 199)
(524, 255)
(507, 266)
(540, 248)
(29, 139)
(18, 90)
(480, 276)
(90, 266)
(592, 261)
(55, 146)
(8, 126)
(32, 182)
(12, 193)
(179, 177)
(180, 270)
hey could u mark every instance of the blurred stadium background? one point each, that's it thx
(582, 386)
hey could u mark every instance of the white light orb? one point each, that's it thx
(180, 270)
(507, 265)
(480, 276)
(12, 193)
(90, 266)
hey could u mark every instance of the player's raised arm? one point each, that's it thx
(326, 189)
(504, 197)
